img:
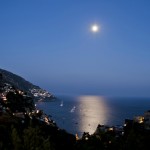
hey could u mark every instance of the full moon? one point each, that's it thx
(95, 28)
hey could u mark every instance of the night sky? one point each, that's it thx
(50, 43)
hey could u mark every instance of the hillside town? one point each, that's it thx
(29, 107)
(41, 94)
(11, 80)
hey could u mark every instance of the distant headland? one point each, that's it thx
(12, 80)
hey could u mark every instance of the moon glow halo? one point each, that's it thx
(95, 28)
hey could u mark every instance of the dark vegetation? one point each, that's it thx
(22, 128)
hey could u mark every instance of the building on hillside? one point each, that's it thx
(138, 119)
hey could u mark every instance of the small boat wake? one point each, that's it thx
(73, 109)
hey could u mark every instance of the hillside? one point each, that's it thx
(35, 91)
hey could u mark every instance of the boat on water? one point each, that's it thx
(61, 104)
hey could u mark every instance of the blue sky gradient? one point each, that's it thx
(50, 44)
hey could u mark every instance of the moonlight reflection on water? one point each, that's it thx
(93, 111)
(79, 114)
(83, 113)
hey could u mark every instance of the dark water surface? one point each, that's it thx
(83, 113)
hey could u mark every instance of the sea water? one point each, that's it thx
(78, 114)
